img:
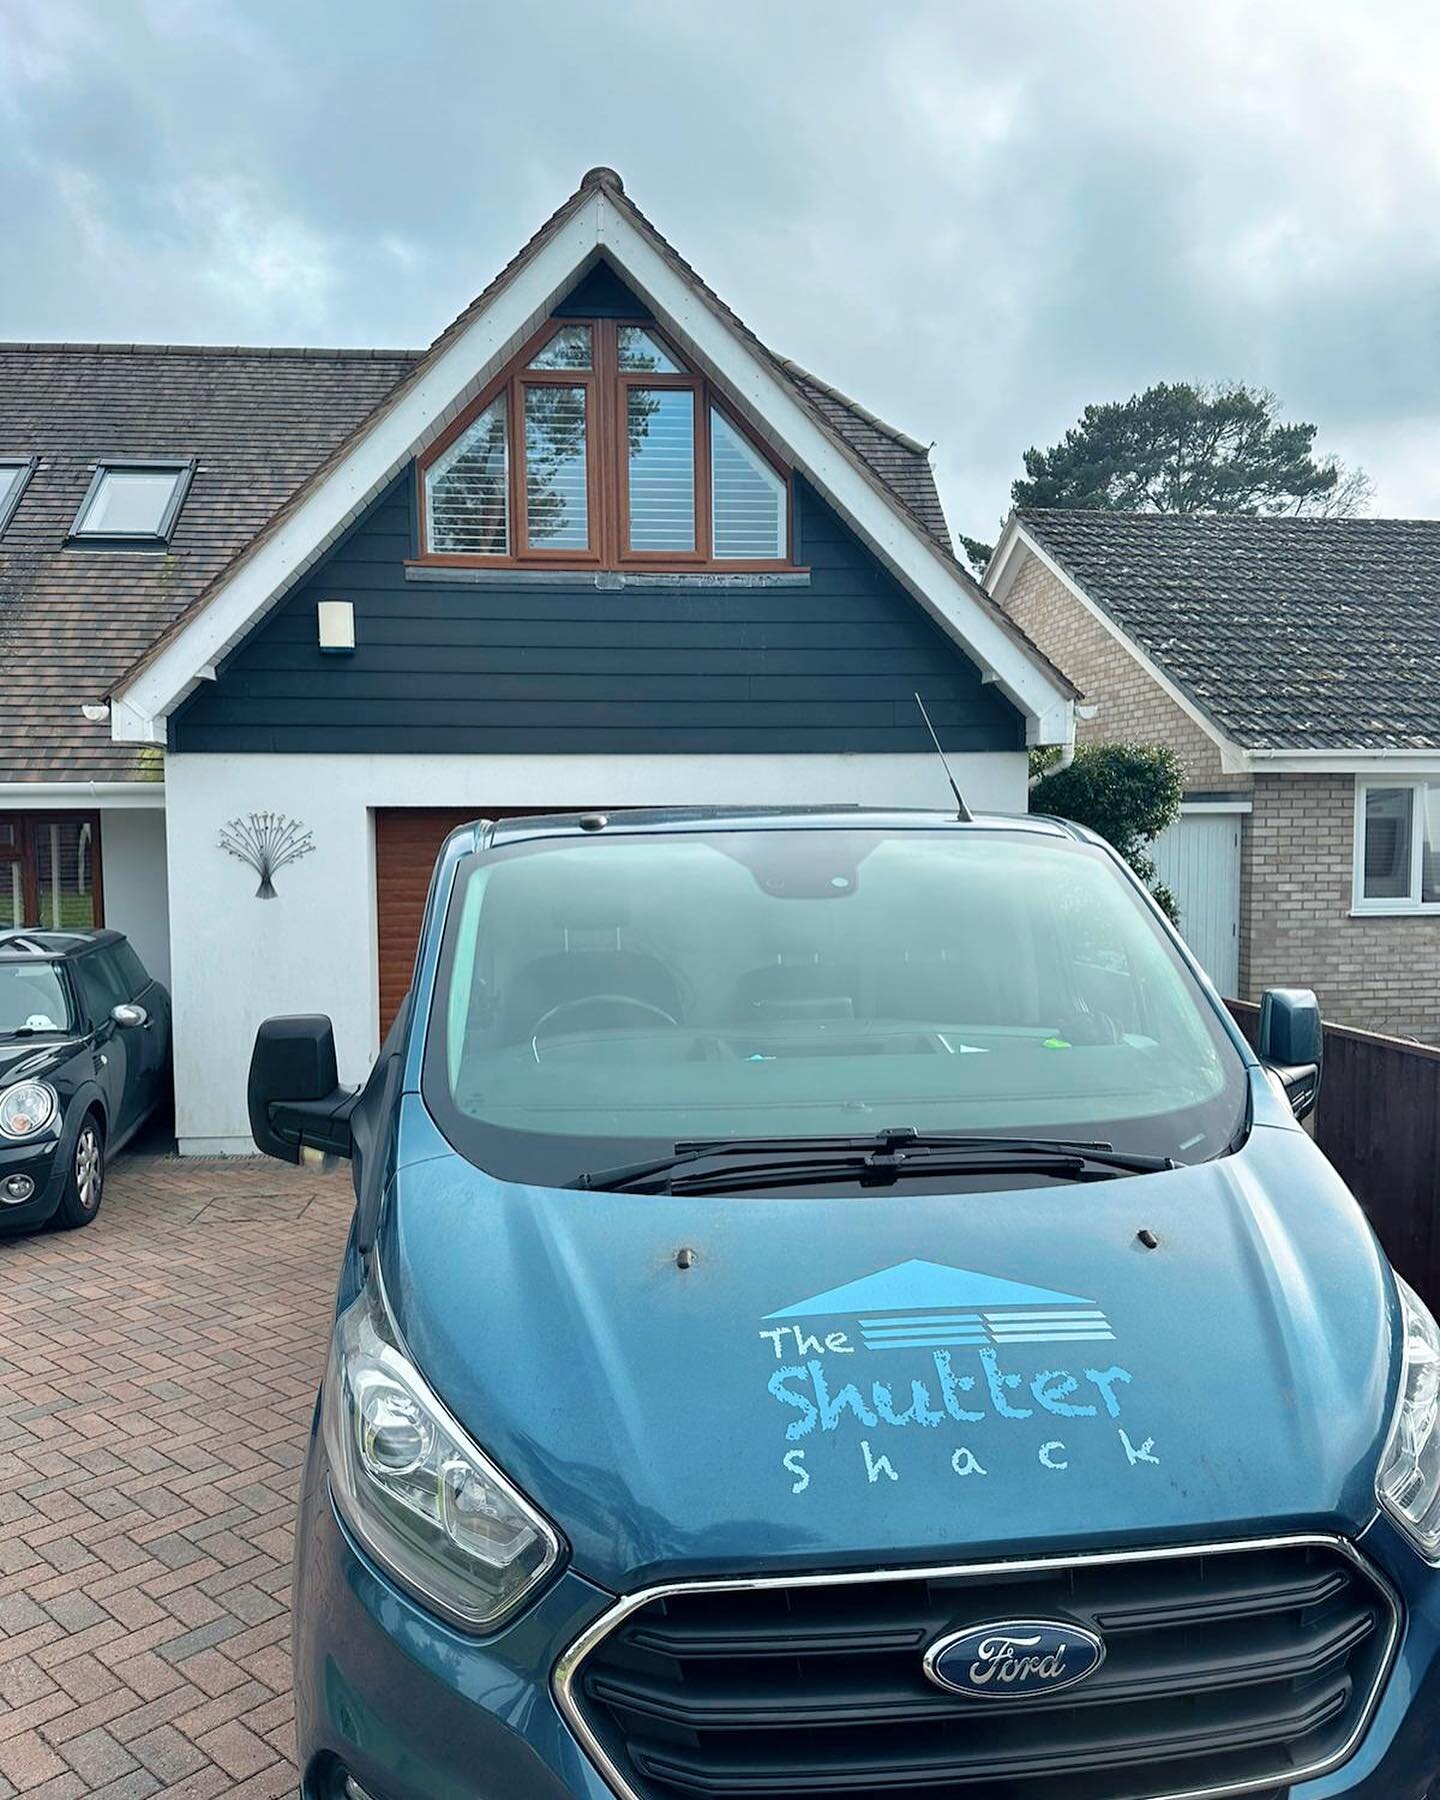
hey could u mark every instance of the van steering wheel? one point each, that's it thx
(614, 1000)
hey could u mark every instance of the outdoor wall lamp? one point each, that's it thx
(337, 626)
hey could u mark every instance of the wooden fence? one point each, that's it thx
(1378, 1120)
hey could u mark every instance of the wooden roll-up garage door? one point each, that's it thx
(407, 841)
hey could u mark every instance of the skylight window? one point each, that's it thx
(133, 501)
(14, 474)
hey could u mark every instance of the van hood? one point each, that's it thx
(899, 1377)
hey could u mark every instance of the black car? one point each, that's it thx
(84, 1060)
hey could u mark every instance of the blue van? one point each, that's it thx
(836, 1308)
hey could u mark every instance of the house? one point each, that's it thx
(597, 547)
(1291, 665)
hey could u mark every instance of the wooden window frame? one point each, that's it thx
(607, 463)
(25, 853)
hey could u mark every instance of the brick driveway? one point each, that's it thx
(157, 1374)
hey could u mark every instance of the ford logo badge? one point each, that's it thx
(1010, 1658)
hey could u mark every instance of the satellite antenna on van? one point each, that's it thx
(962, 811)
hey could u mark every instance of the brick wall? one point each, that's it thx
(1382, 974)
(1132, 706)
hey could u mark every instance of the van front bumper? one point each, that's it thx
(409, 1709)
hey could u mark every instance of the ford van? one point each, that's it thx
(835, 1307)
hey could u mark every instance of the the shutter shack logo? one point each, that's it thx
(981, 1366)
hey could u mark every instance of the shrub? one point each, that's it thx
(1128, 793)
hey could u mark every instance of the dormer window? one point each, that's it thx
(133, 502)
(599, 446)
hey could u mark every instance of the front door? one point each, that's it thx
(50, 870)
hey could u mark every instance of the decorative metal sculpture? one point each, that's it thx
(267, 841)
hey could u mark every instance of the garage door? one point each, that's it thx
(407, 841)
(1198, 859)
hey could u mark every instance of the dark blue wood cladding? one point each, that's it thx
(530, 667)
(602, 293)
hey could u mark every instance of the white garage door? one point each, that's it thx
(1198, 859)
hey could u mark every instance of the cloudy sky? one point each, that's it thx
(974, 216)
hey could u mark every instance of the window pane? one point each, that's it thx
(747, 496)
(1430, 848)
(12, 894)
(645, 355)
(100, 986)
(31, 997)
(11, 475)
(129, 503)
(661, 425)
(568, 349)
(64, 873)
(1387, 843)
(555, 501)
(467, 507)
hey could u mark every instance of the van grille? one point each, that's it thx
(1229, 1669)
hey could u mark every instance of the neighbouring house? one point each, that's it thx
(596, 547)
(1291, 664)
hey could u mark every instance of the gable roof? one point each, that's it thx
(1289, 634)
(598, 222)
(74, 618)
(259, 422)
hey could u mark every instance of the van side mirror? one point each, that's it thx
(1292, 1044)
(294, 1095)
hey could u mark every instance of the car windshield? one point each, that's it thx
(32, 999)
(608, 996)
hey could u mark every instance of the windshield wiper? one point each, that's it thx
(875, 1159)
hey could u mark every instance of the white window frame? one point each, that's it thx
(1411, 904)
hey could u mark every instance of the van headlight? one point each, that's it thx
(1409, 1481)
(428, 1505)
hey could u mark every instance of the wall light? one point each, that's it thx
(337, 626)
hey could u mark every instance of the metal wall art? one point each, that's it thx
(267, 841)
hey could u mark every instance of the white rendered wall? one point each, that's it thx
(132, 864)
(236, 959)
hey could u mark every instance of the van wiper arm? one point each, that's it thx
(875, 1153)
(872, 1171)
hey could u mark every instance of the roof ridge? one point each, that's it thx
(1093, 513)
(798, 370)
(308, 352)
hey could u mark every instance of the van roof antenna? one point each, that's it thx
(962, 811)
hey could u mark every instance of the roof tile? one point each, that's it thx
(1314, 634)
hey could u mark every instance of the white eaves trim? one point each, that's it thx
(71, 796)
(139, 710)
(999, 577)
(1398, 762)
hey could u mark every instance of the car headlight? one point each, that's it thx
(27, 1108)
(1409, 1481)
(427, 1504)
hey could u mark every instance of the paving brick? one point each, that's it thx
(156, 1379)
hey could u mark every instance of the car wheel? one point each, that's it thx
(85, 1186)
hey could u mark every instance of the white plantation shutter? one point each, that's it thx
(556, 513)
(747, 497)
(661, 429)
(467, 510)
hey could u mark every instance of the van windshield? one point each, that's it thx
(609, 996)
